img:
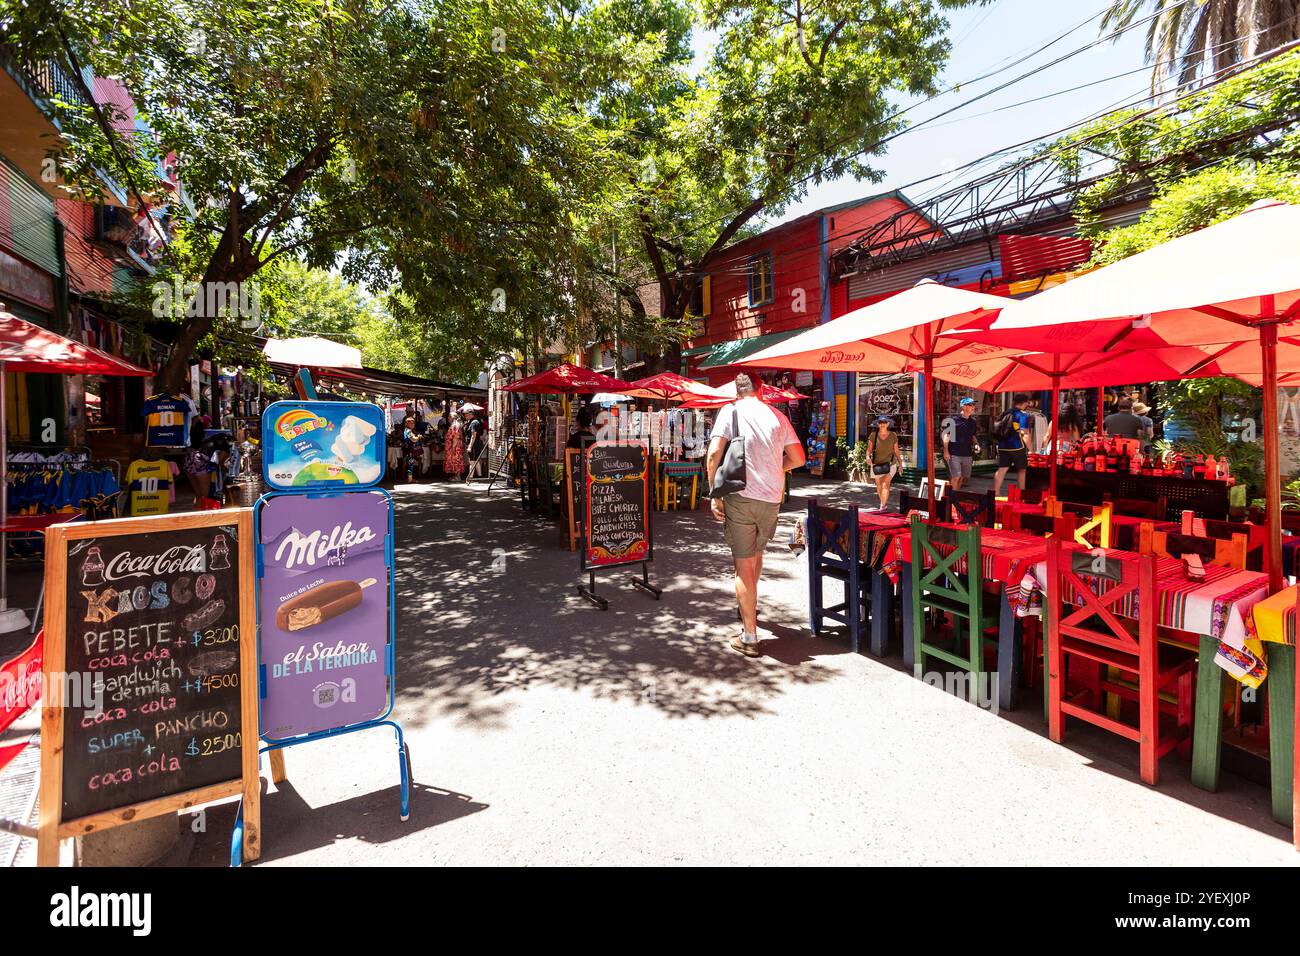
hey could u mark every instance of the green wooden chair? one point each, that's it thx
(958, 594)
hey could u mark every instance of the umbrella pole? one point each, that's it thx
(1272, 481)
(4, 493)
(1056, 430)
(928, 438)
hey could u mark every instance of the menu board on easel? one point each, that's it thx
(616, 512)
(150, 671)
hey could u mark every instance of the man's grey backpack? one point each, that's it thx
(730, 476)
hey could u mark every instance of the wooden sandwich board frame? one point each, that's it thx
(52, 828)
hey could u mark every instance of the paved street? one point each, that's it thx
(544, 731)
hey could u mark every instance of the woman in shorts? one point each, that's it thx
(885, 457)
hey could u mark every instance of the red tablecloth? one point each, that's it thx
(1005, 556)
(19, 523)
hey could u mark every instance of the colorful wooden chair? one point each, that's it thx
(833, 552)
(969, 507)
(958, 594)
(1088, 639)
(1060, 526)
(1157, 510)
(1090, 519)
(1168, 544)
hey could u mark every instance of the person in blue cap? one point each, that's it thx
(960, 443)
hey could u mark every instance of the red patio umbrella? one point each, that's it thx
(900, 334)
(1234, 282)
(26, 347)
(727, 394)
(670, 387)
(566, 379)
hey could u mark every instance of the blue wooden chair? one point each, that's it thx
(970, 507)
(833, 552)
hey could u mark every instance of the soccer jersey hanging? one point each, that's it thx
(150, 484)
(165, 421)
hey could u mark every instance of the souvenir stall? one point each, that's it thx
(57, 494)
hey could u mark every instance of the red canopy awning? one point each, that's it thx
(26, 347)
(568, 380)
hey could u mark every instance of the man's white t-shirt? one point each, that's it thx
(766, 432)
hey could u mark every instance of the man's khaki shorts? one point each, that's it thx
(750, 524)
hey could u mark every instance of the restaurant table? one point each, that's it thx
(877, 531)
(1217, 610)
(679, 471)
(1207, 497)
(1005, 558)
(1275, 622)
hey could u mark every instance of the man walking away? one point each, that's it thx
(959, 443)
(1123, 423)
(1012, 451)
(749, 516)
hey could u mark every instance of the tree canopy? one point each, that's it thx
(483, 160)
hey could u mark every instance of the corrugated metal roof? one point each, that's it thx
(904, 275)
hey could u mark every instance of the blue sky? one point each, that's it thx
(983, 39)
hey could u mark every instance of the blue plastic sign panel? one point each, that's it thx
(314, 446)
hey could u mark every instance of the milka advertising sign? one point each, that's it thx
(323, 612)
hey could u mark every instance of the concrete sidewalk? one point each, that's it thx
(545, 731)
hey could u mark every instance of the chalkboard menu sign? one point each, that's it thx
(616, 506)
(150, 666)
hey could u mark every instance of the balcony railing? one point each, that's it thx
(46, 79)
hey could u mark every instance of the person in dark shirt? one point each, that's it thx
(474, 441)
(1012, 450)
(1123, 423)
(960, 444)
(583, 435)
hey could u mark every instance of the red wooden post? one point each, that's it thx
(1056, 426)
(926, 444)
(1272, 482)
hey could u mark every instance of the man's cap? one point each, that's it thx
(967, 401)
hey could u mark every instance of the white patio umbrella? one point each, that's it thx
(903, 333)
(1233, 283)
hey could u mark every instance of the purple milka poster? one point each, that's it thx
(323, 608)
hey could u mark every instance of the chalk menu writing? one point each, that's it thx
(617, 494)
(153, 640)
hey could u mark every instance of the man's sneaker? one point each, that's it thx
(749, 650)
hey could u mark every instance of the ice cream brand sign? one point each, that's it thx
(298, 422)
(299, 549)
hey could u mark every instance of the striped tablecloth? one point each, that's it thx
(1219, 606)
(878, 530)
(1275, 617)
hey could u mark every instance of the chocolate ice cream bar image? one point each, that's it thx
(320, 604)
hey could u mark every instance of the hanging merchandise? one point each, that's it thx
(150, 484)
(167, 419)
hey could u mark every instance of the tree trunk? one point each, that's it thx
(172, 377)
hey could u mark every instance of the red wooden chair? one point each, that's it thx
(1092, 637)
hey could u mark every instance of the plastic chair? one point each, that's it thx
(833, 550)
(959, 594)
(1091, 637)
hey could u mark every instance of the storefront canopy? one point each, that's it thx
(312, 351)
(26, 347)
(737, 350)
(376, 381)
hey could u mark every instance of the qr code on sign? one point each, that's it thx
(326, 695)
